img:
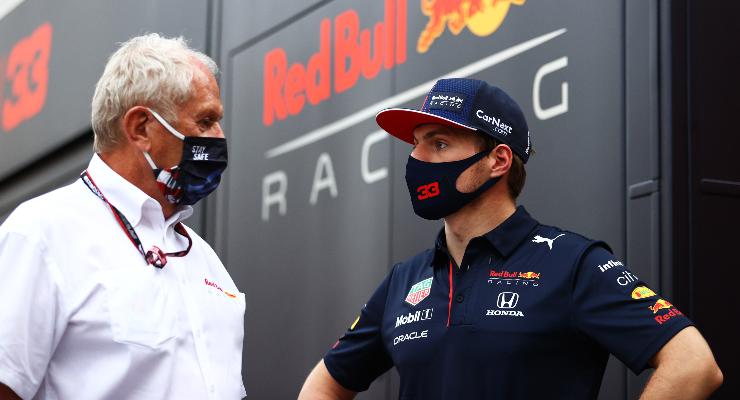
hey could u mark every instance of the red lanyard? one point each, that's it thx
(155, 256)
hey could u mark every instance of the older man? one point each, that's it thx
(105, 293)
(502, 307)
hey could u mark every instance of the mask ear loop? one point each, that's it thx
(169, 128)
(150, 161)
(167, 125)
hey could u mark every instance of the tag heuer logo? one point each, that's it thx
(419, 292)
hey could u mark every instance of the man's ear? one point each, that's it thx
(501, 158)
(137, 128)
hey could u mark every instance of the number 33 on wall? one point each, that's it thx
(27, 75)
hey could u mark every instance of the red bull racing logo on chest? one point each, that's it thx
(515, 278)
(419, 292)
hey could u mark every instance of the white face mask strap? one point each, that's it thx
(167, 125)
(149, 160)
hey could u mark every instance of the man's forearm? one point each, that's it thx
(320, 385)
(665, 384)
(685, 369)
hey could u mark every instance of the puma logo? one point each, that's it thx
(540, 239)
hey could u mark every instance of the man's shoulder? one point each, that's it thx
(47, 209)
(203, 246)
(198, 241)
(416, 265)
(563, 241)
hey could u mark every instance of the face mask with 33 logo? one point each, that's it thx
(198, 174)
(432, 186)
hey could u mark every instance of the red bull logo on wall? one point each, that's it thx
(481, 17)
(356, 52)
(347, 51)
(26, 72)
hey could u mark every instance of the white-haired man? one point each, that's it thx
(106, 294)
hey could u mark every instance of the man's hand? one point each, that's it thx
(684, 369)
(7, 394)
(320, 385)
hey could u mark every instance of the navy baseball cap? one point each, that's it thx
(464, 103)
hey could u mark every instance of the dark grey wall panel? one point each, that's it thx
(54, 171)
(642, 167)
(84, 34)
(242, 21)
(309, 263)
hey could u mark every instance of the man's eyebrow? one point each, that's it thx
(436, 132)
(209, 112)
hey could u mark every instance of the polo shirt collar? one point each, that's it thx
(127, 198)
(505, 238)
(512, 232)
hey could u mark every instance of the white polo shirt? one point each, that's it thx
(82, 316)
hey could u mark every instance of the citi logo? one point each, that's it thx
(610, 264)
(625, 278)
(421, 315)
(507, 300)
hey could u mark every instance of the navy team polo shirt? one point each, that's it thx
(533, 312)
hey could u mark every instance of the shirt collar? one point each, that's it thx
(505, 238)
(127, 198)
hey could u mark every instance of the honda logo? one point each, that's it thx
(507, 299)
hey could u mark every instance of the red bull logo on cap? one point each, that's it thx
(481, 17)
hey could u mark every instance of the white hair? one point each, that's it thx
(148, 70)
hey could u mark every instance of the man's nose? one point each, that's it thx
(217, 132)
(418, 153)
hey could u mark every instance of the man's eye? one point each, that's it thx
(441, 145)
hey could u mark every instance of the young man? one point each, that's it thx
(105, 293)
(502, 307)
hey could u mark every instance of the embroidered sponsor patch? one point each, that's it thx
(419, 292)
(446, 101)
(217, 287)
(642, 292)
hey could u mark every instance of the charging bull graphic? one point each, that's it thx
(482, 17)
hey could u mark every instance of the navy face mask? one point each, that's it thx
(432, 186)
(198, 174)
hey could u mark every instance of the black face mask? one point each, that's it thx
(198, 174)
(432, 186)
